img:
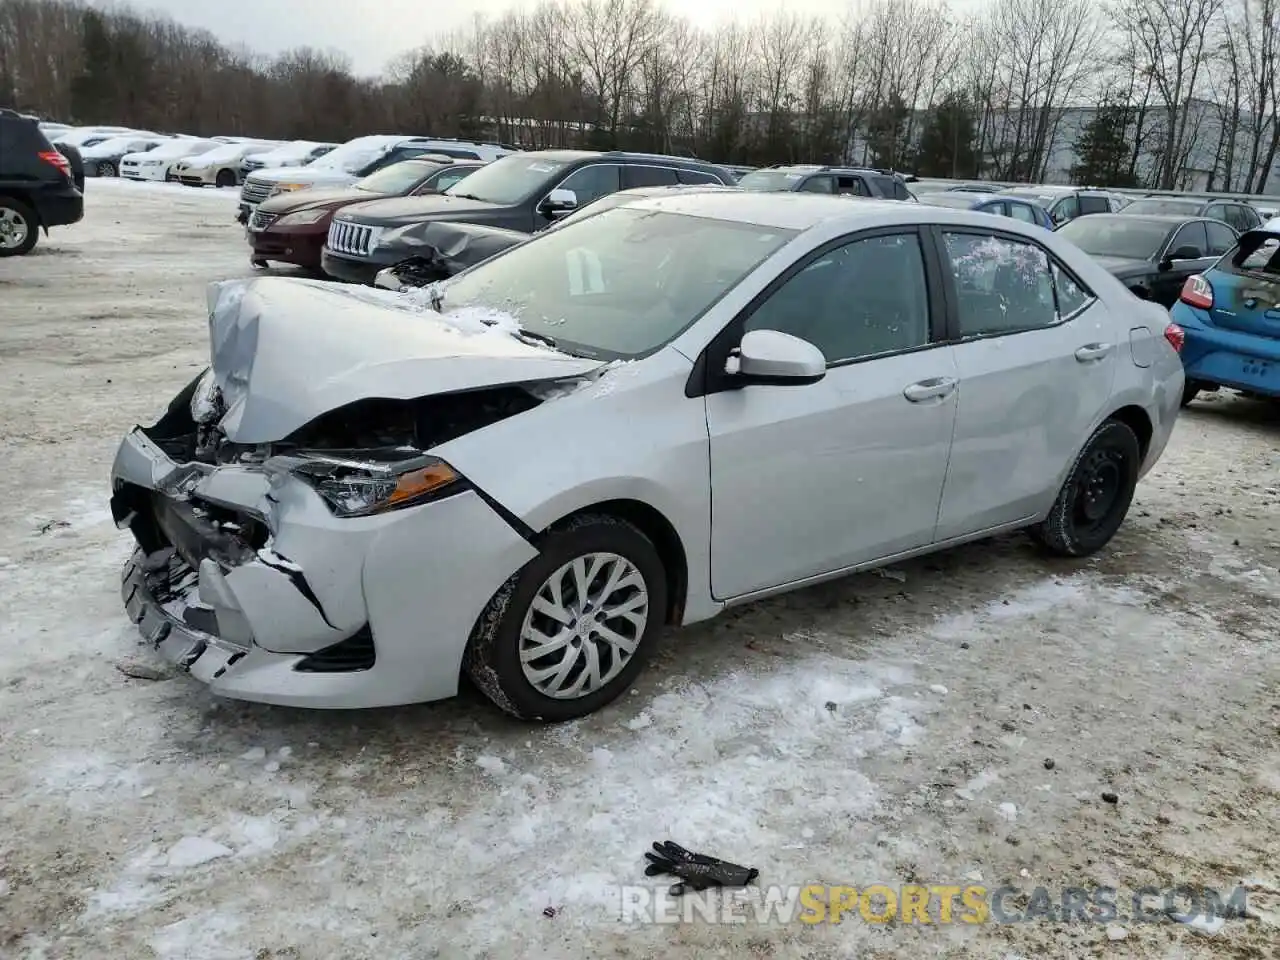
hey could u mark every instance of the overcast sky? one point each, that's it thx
(371, 32)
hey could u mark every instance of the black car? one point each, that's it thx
(1152, 255)
(1236, 213)
(842, 181)
(524, 192)
(77, 163)
(37, 190)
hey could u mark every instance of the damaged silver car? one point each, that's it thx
(676, 405)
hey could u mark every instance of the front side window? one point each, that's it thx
(1067, 208)
(592, 182)
(1023, 212)
(1002, 285)
(864, 298)
(1221, 238)
(818, 185)
(448, 178)
(619, 284)
(1189, 242)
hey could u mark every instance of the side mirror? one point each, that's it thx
(1186, 253)
(773, 357)
(559, 203)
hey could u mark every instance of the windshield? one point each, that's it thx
(618, 285)
(120, 143)
(509, 180)
(397, 178)
(355, 155)
(770, 181)
(1100, 235)
(232, 151)
(181, 148)
(1156, 205)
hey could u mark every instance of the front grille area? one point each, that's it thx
(255, 191)
(353, 239)
(260, 220)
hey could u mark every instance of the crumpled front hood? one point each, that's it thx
(285, 351)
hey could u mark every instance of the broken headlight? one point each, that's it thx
(355, 488)
(206, 402)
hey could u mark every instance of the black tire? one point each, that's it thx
(493, 658)
(1096, 495)
(258, 263)
(225, 178)
(106, 169)
(1190, 390)
(11, 207)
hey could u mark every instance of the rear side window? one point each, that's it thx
(1092, 204)
(1005, 286)
(696, 176)
(634, 176)
(852, 186)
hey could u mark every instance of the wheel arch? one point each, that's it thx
(661, 531)
(1137, 420)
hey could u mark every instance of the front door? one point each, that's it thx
(1036, 359)
(810, 479)
(1168, 283)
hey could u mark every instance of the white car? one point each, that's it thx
(155, 164)
(354, 160)
(83, 137)
(678, 405)
(296, 153)
(219, 167)
(103, 159)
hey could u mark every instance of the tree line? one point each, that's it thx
(1143, 92)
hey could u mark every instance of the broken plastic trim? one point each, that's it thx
(352, 655)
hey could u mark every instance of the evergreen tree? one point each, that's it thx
(946, 143)
(93, 90)
(1103, 149)
(887, 133)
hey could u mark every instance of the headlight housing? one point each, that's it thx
(361, 488)
(301, 217)
(206, 402)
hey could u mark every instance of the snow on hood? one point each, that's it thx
(285, 351)
(309, 174)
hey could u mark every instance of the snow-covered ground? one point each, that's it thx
(885, 729)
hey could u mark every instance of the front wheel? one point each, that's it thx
(18, 228)
(1095, 498)
(569, 632)
(225, 178)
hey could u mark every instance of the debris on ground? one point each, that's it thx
(888, 573)
(137, 670)
(53, 525)
(1109, 797)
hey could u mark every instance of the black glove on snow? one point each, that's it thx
(696, 871)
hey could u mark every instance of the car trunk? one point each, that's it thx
(1246, 287)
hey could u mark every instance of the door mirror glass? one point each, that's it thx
(1186, 252)
(770, 356)
(560, 202)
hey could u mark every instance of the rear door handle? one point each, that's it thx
(1093, 351)
(934, 389)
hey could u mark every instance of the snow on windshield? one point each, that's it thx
(357, 154)
(180, 148)
(231, 151)
(115, 143)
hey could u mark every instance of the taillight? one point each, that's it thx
(1197, 292)
(1176, 336)
(58, 160)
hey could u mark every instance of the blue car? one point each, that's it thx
(998, 203)
(1230, 314)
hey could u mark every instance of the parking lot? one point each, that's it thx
(884, 729)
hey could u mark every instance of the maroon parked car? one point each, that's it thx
(292, 227)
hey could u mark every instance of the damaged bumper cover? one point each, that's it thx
(253, 586)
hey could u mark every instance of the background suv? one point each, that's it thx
(526, 192)
(36, 188)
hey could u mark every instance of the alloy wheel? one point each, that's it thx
(584, 625)
(13, 228)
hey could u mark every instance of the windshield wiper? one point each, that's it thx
(466, 196)
(524, 334)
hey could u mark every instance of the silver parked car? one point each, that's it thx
(679, 404)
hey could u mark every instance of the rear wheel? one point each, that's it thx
(569, 632)
(225, 178)
(18, 228)
(1095, 498)
(106, 169)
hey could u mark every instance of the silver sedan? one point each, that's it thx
(683, 403)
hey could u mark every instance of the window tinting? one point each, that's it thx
(858, 300)
(1221, 239)
(1002, 285)
(633, 176)
(591, 182)
(696, 176)
(1094, 204)
(1189, 235)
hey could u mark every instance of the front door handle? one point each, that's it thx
(933, 389)
(1093, 351)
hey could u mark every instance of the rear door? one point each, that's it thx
(1036, 356)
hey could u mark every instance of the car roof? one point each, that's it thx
(801, 211)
